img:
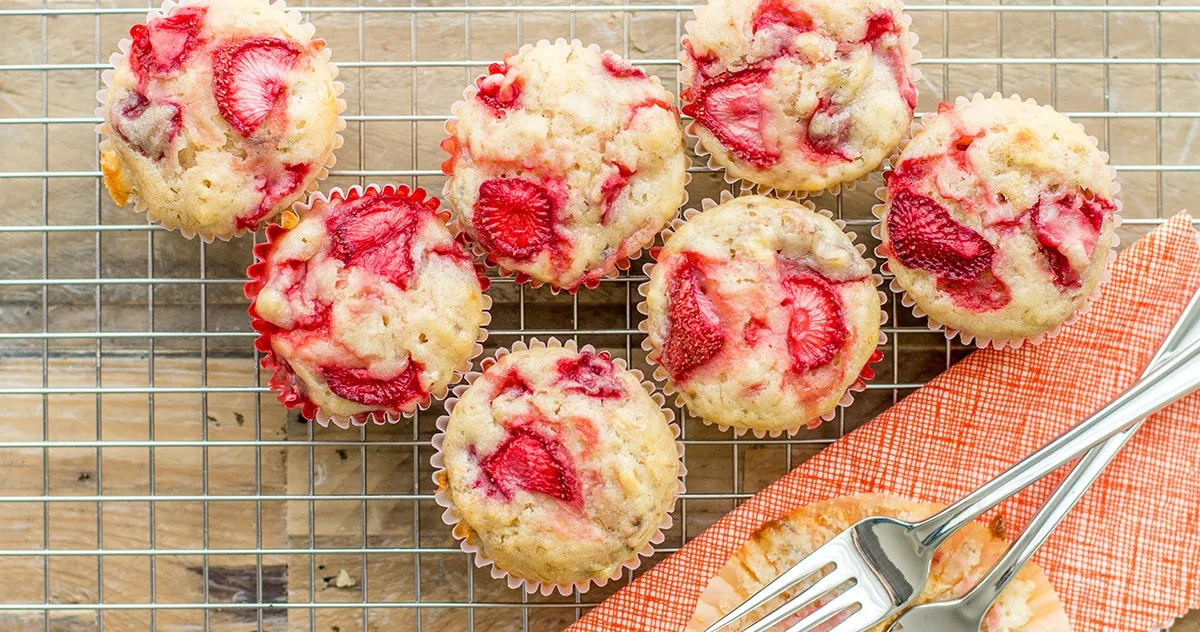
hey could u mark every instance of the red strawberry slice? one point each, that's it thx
(1066, 222)
(163, 45)
(376, 234)
(514, 218)
(779, 13)
(611, 189)
(879, 25)
(983, 294)
(273, 189)
(149, 128)
(496, 91)
(250, 81)
(924, 236)
(694, 333)
(513, 384)
(533, 462)
(728, 106)
(364, 387)
(589, 374)
(620, 68)
(817, 330)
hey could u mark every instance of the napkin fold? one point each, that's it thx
(1127, 558)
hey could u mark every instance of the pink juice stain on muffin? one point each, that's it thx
(825, 135)
(1066, 221)
(619, 68)
(249, 82)
(375, 233)
(729, 107)
(612, 188)
(532, 461)
(497, 91)
(367, 388)
(694, 332)
(817, 328)
(161, 46)
(779, 14)
(512, 384)
(149, 128)
(590, 374)
(515, 217)
(882, 25)
(273, 188)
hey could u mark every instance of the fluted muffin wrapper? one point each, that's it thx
(745, 186)
(291, 392)
(612, 267)
(463, 533)
(663, 377)
(107, 134)
(969, 338)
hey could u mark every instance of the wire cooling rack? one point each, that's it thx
(149, 480)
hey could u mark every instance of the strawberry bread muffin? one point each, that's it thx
(1029, 604)
(218, 116)
(558, 467)
(565, 162)
(998, 220)
(761, 314)
(799, 95)
(367, 306)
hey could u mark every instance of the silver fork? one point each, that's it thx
(966, 614)
(886, 561)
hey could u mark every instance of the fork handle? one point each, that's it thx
(976, 602)
(1178, 375)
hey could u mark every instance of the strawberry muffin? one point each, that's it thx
(998, 219)
(558, 467)
(1029, 604)
(565, 162)
(218, 116)
(762, 314)
(367, 306)
(799, 95)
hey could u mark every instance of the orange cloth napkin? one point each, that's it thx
(1127, 557)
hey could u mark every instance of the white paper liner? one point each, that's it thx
(452, 518)
(294, 399)
(969, 338)
(106, 141)
(611, 268)
(746, 186)
(664, 378)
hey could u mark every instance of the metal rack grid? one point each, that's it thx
(114, 364)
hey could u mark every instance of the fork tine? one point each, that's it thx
(799, 602)
(828, 611)
(805, 567)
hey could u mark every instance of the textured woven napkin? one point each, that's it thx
(1127, 557)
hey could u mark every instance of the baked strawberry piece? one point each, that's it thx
(558, 466)
(565, 161)
(999, 219)
(218, 116)
(761, 314)
(799, 95)
(366, 305)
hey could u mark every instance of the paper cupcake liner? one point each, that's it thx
(611, 267)
(291, 391)
(453, 519)
(746, 186)
(968, 338)
(660, 372)
(106, 133)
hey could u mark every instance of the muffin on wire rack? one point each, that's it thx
(557, 466)
(366, 306)
(799, 95)
(218, 115)
(1029, 604)
(999, 220)
(565, 161)
(762, 315)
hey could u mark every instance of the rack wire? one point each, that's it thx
(148, 478)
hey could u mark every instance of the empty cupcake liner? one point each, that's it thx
(660, 373)
(745, 186)
(290, 389)
(107, 135)
(612, 266)
(463, 533)
(968, 338)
